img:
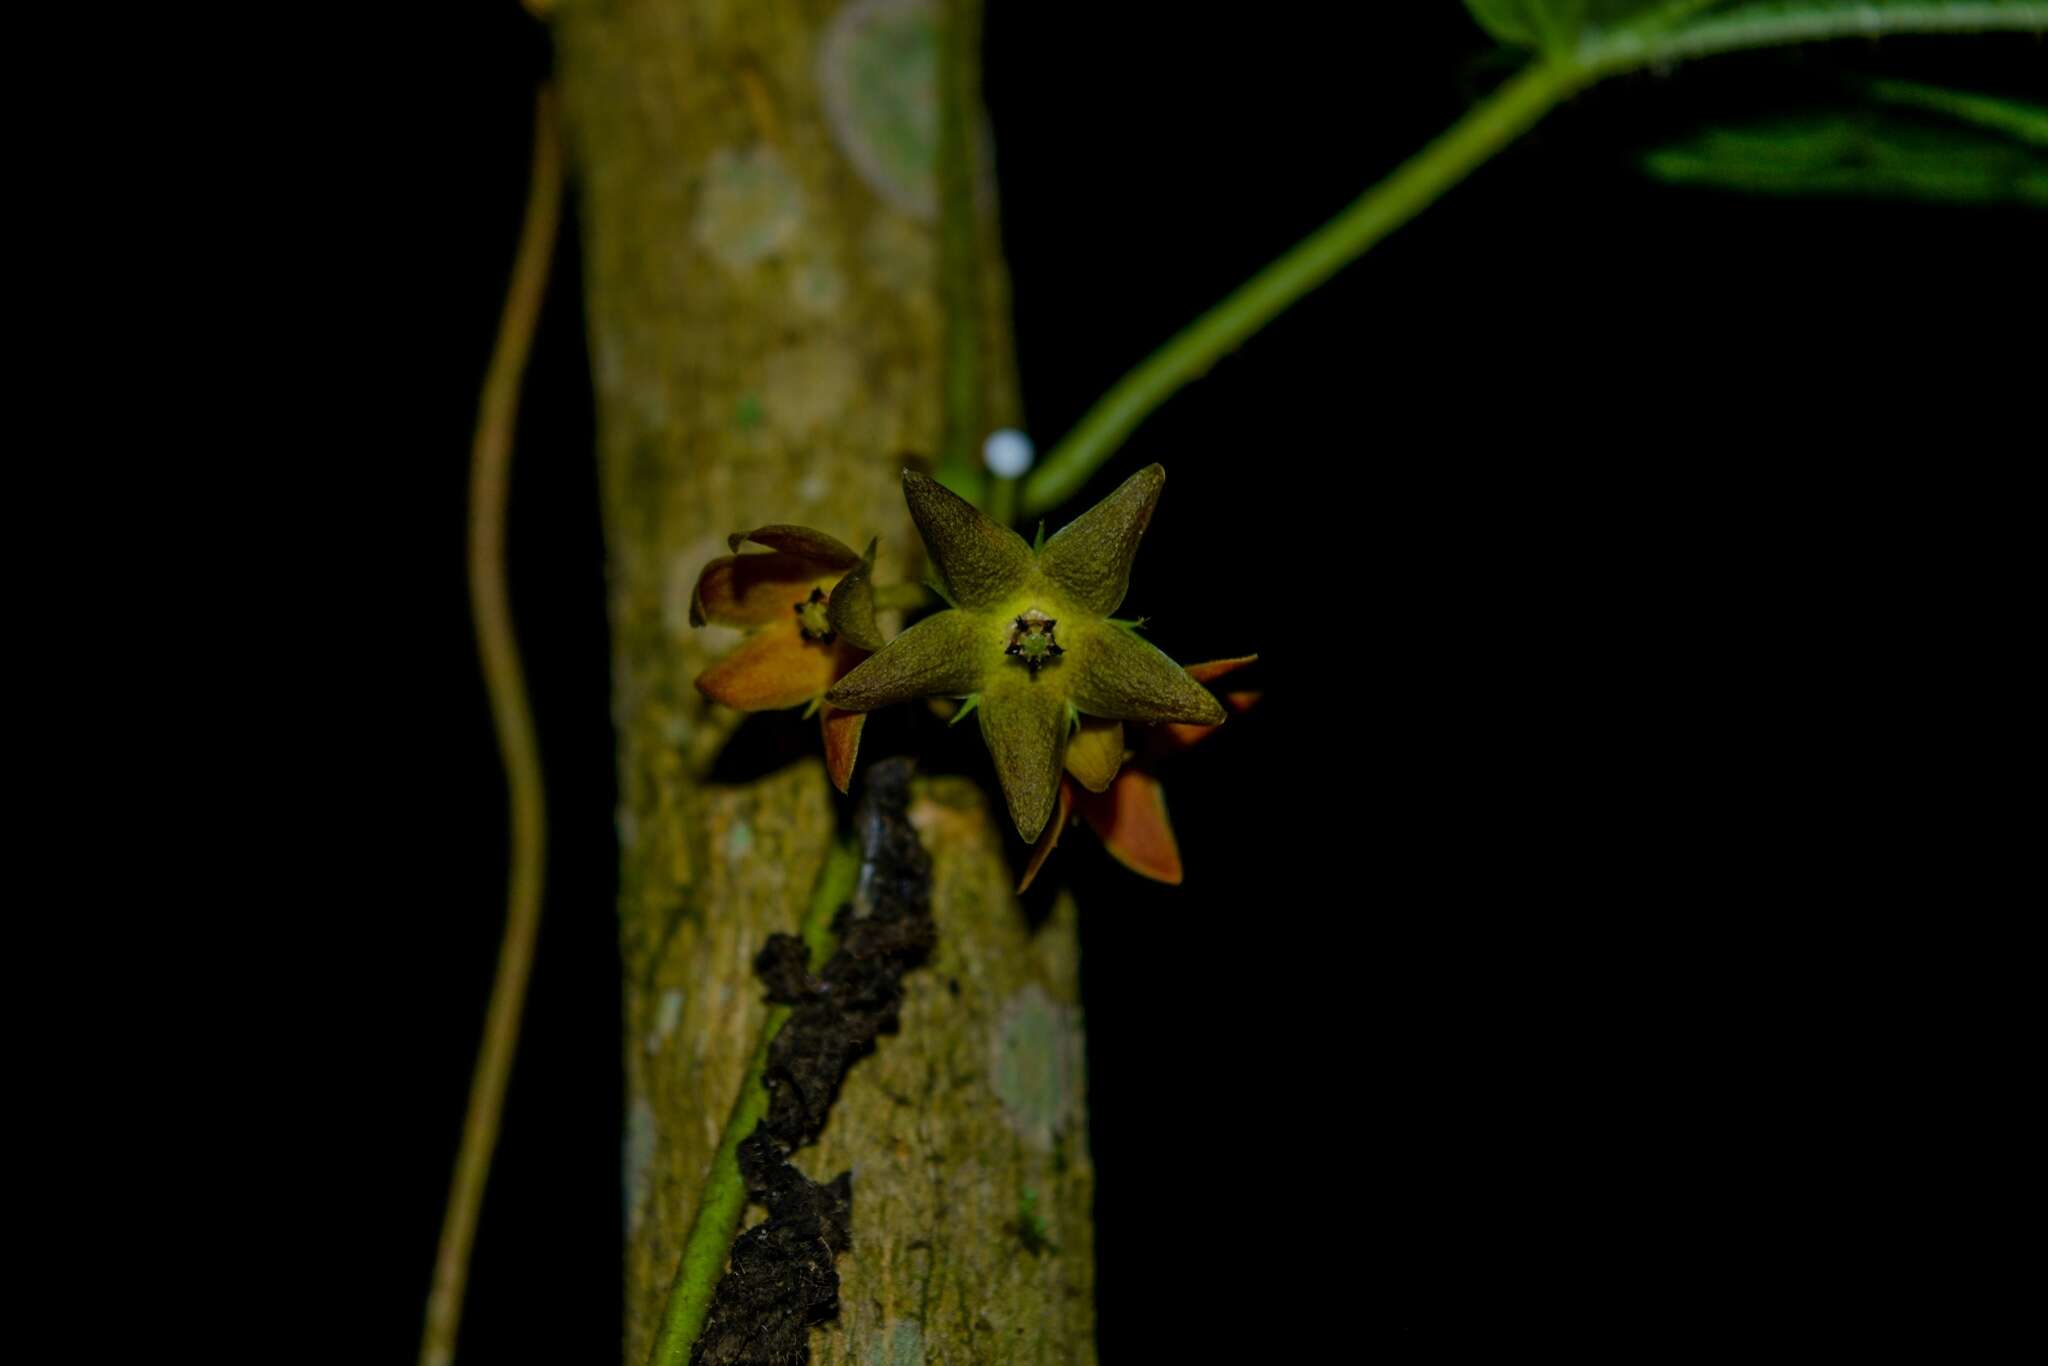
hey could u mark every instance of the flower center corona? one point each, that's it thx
(1032, 642)
(811, 619)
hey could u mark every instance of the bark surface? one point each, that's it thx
(758, 201)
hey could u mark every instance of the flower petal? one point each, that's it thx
(852, 608)
(945, 654)
(1024, 723)
(1210, 670)
(1095, 751)
(842, 742)
(983, 564)
(772, 668)
(1171, 739)
(1113, 673)
(1050, 839)
(1164, 740)
(1131, 819)
(801, 541)
(1090, 559)
(753, 590)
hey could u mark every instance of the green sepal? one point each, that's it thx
(1024, 724)
(938, 656)
(851, 609)
(1117, 674)
(980, 562)
(1089, 559)
(1095, 751)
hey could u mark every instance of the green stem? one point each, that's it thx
(1002, 501)
(725, 1191)
(1420, 181)
(1491, 125)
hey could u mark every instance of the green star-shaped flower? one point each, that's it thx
(1029, 639)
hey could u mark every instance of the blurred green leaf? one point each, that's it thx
(1875, 152)
(2026, 122)
(1556, 26)
(1733, 25)
(1514, 21)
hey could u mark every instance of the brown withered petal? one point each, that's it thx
(1115, 674)
(1095, 751)
(1171, 739)
(1089, 560)
(852, 608)
(752, 590)
(842, 742)
(1168, 739)
(828, 551)
(1209, 670)
(770, 669)
(1024, 724)
(945, 653)
(982, 562)
(1131, 819)
(1049, 840)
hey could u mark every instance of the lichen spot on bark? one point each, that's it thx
(879, 71)
(904, 1346)
(641, 1134)
(668, 1014)
(749, 207)
(1034, 1069)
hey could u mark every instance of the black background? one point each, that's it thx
(1559, 521)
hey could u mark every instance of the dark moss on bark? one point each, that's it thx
(782, 1280)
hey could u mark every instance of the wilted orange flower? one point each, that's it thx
(1115, 792)
(808, 609)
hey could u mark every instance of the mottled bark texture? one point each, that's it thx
(758, 206)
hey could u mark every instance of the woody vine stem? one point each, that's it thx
(512, 715)
(1685, 32)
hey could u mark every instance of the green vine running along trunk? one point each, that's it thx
(760, 215)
